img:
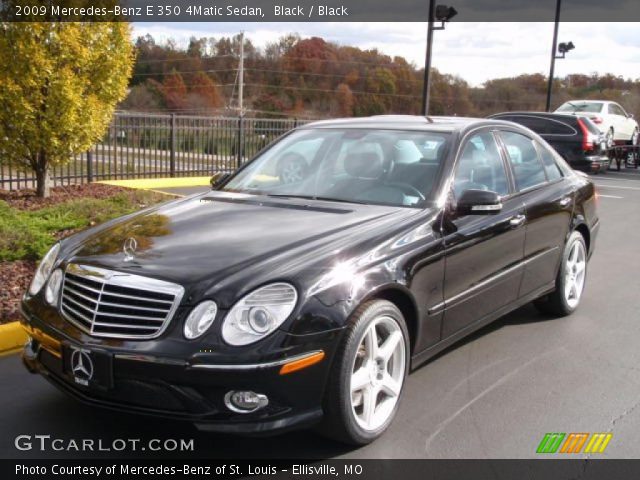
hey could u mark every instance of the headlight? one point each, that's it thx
(259, 313)
(52, 292)
(200, 319)
(44, 269)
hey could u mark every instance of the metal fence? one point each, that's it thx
(151, 146)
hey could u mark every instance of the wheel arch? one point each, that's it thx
(586, 234)
(402, 298)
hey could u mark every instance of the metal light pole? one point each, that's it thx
(553, 54)
(427, 62)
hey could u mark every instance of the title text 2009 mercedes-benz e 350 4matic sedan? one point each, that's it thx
(273, 301)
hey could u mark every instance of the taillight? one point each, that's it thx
(588, 139)
(597, 120)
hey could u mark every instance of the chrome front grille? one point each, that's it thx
(106, 303)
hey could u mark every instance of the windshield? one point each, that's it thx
(383, 167)
(572, 107)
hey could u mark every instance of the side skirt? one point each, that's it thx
(421, 357)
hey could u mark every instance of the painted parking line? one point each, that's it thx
(609, 196)
(633, 173)
(160, 183)
(616, 180)
(616, 186)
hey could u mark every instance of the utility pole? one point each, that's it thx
(553, 55)
(427, 63)
(241, 77)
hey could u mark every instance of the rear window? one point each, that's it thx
(577, 107)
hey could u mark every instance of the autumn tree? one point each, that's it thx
(203, 93)
(59, 85)
(344, 100)
(174, 91)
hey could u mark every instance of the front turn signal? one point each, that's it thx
(301, 363)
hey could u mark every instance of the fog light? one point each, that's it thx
(245, 401)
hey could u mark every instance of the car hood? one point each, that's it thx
(218, 235)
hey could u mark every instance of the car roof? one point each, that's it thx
(590, 100)
(564, 116)
(403, 122)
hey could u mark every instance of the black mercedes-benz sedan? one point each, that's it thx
(268, 303)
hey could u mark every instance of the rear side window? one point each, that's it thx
(616, 110)
(549, 162)
(537, 124)
(527, 168)
(560, 128)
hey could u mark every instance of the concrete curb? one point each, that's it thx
(12, 338)
(156, 183)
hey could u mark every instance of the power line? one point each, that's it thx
(165, 74)
(283, 57)
(334, 75)
(184, 59)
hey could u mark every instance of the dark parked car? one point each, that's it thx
(576, 138)
(264, 304)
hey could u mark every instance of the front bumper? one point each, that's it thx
(147, 382)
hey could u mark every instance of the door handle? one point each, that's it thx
(565, 201)
(517, 221)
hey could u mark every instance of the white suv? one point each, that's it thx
(609, 117)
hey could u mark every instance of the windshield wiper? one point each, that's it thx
(313, 197)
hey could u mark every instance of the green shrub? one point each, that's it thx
(27, 235)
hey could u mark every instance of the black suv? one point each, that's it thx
(576, 138)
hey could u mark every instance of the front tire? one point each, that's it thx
(367, 376)
(572, 275)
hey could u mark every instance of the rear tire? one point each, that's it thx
(572, 275)
(367, 376)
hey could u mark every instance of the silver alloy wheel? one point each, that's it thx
(292, 172)
(377, 373)
(575, 274)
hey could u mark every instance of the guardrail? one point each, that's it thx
(139, 145)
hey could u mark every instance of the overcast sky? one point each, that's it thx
(474, 51)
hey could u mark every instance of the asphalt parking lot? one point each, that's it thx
(494, 395)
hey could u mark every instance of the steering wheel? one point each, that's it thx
(407, 188)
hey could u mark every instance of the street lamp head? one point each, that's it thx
(565, 47)
(444, 13)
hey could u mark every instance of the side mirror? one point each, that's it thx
(218, 179)
(478, 202)
(630, 115)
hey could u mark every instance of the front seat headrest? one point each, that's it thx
(366, 165)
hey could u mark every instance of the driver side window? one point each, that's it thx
(480, 167)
